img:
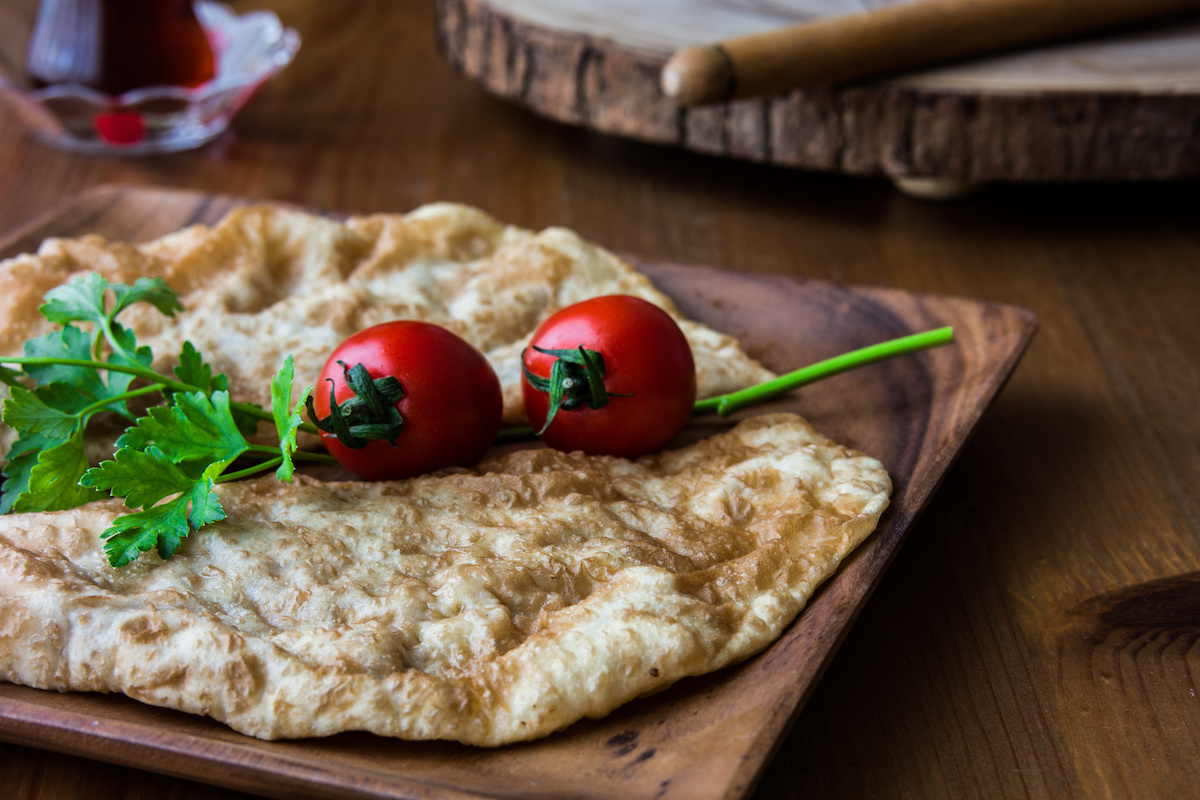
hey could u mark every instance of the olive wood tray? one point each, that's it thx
(706, 737)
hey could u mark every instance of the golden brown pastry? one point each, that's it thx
(485, 606)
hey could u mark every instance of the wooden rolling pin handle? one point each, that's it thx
(697, 73)
(889, 39)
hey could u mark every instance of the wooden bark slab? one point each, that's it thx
(707, 737)
(1115, 108)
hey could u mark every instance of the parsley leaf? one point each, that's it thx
(50, 411)
(48, 457)
(10, 377)
(154, 291)
(22, 457)
(193, 428)
(287, 416)
(77, 300)
(152, 476)
(174, 450)
(52, 466)
(126, 351)
(71, 343)
(142, 477)
(54, 478)
(68, 343)
(53, 415)
(194, 371)
(83, 299)
(168, 461)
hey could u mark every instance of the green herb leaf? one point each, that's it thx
(10, 377)
(47, 417)
(164, 526)
(287, 417)
(83, 299)
(194, 428)
(154, 291)
(177, 449)
(50, 417)
(127, 352)
(53, 479)
(68, 343)
(78, 300)
(193, 371)
(50, 411)
(22, 457)
(142, 477)
(73, 343)
(146, 477)
(167, 461)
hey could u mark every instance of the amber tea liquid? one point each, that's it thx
(114, 46)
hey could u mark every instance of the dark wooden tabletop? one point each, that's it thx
(1037, 634)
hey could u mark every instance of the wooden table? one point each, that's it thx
(1037, 635)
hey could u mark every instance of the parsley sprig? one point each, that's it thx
(169, 458)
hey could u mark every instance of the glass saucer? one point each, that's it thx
(250, 49)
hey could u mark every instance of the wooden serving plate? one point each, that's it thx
(706, 737)
(1111, 108)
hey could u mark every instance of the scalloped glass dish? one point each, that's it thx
(250, 49)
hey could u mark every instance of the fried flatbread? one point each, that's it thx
(268, 281)
(485, 606)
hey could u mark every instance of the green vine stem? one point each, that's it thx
(249, 472)
(297, 455)
(85, 413)
(726, 404)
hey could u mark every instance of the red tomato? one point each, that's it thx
(451, 406)
(649, 376)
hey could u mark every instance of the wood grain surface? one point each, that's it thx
(1036, 635)
(1117, 106)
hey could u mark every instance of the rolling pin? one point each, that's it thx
(889, 39)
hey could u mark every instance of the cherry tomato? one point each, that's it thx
(450, 409)
(649, 377)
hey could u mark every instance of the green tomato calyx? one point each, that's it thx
(576, 381)
(370, 415)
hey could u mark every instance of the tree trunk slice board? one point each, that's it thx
(706, 738)
(1120, 107)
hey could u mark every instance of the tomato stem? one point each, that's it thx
(726, 404)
